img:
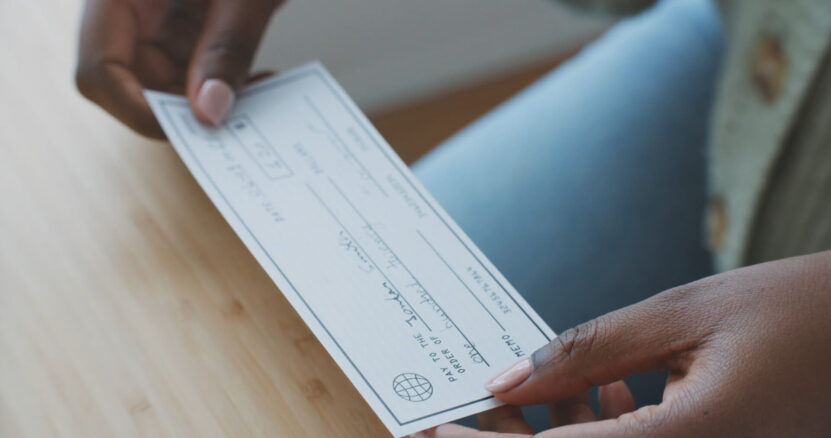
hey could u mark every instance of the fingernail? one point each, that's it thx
(512, 376)
(214, 100)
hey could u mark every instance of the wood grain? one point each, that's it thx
(128, 307)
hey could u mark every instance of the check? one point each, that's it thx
(409, 308)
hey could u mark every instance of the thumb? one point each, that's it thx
(224, 53)
(646, 336)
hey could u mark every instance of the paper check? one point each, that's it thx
(415, 315)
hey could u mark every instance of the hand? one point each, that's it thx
(202, 48)
(748, 354)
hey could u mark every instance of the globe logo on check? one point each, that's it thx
(412, 387)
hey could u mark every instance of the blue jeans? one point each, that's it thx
(587, 189)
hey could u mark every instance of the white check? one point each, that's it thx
(405, 303)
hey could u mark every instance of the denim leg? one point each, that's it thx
(587, 189)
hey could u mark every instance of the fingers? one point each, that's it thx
(506, 419)
(224, 53)
(571, 411)
(106, 58)
(617, 428)
(456, 431)
(654, 334)
(155, 69)
(615, 400)
(646, 422)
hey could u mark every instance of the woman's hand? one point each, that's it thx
(748, 354)
(202, 48)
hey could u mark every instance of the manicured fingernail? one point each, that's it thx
(512, 376)
(215, 99)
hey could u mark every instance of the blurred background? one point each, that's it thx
(423, 69)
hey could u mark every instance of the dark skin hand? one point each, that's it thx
(748, 354)
(200, 48)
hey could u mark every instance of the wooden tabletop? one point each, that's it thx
(128, 307)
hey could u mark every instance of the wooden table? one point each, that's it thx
(128, 307)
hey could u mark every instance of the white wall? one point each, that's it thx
(388, 51)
